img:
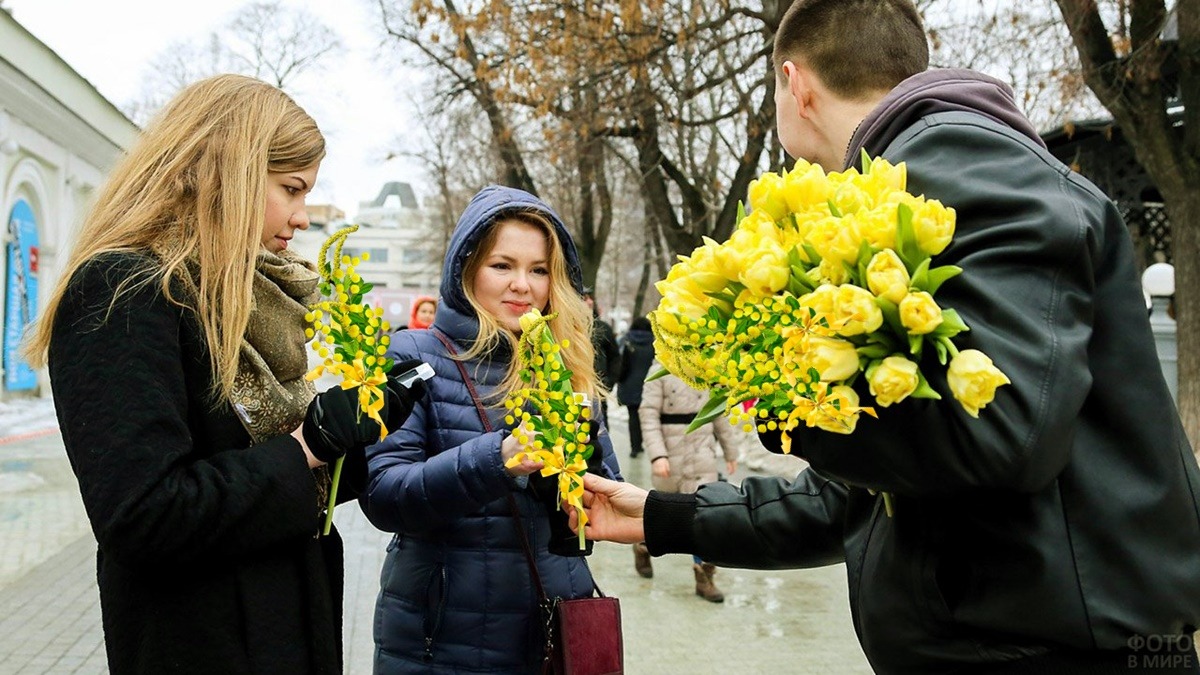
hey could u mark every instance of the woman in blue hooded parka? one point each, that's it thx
(456, 589)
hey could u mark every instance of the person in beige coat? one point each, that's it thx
(681, 461)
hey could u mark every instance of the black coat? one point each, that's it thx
(207, 560)
(637, 353)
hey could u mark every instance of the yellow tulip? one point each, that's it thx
(887, 277)
(855, 311)
(835, 239)
(822, 301)
(530, 319)
(766, 194)
(850, 198)
(885, 178)
(766, 269)
(831, 272)
(892, 380)
(755, 227)
(973, 380)
(933, 224)
(919, 313)
(806, 186)
(836, 410)
(878, 227)
(834, 359)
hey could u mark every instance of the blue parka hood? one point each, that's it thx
(487, 206)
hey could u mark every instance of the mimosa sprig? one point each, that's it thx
(351, 337)
(548, 415)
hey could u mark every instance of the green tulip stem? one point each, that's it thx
(949, 347)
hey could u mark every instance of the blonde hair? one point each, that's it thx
(573, 323)
(192, 193)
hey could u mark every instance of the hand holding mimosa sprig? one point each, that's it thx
(351, 337)
(547, 415)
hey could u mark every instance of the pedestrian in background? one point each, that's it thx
(637, 353)
(424, 308)
(1058, 531)
(457, 595)
(176, 350)
(608, 355)
(680, 461)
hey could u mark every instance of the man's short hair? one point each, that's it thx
(856, 47)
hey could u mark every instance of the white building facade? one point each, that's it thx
(58, 138)
(404, 262)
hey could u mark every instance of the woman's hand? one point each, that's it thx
(661, 467)
(730, 467)
(614, 510)
(509, 449)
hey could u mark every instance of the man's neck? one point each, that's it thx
(842, 121)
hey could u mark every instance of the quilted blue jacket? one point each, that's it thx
(456, 594)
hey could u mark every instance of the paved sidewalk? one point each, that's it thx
(771, 622)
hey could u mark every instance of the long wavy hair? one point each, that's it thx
(573, 323)
(191, 192)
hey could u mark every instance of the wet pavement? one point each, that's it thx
(771, 621)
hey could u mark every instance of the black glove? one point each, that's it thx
(333, 425)
(401, 399)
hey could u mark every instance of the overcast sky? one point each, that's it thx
(359, 103)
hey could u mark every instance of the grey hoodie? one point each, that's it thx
(934, 91)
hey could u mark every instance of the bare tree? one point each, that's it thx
(177, 66)
(1024, 44)
(451, 155)
(680, 81)
(263, 39)
(278, 44)
(446, 39)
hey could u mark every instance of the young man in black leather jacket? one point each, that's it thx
(1059, 531)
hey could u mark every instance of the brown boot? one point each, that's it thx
(641, 561)
(705, 587)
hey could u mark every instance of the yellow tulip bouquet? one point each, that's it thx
(827, 279)
(548, 416)
(351, 338)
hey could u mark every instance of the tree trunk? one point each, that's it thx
(651, 233)
(1185, 242)
(512, 162)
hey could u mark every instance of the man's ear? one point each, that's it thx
(800, 84)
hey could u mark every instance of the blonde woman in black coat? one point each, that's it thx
(175, 343)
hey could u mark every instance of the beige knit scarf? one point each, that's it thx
(269, 391)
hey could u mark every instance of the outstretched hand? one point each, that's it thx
(614, 510)
(509, 448)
